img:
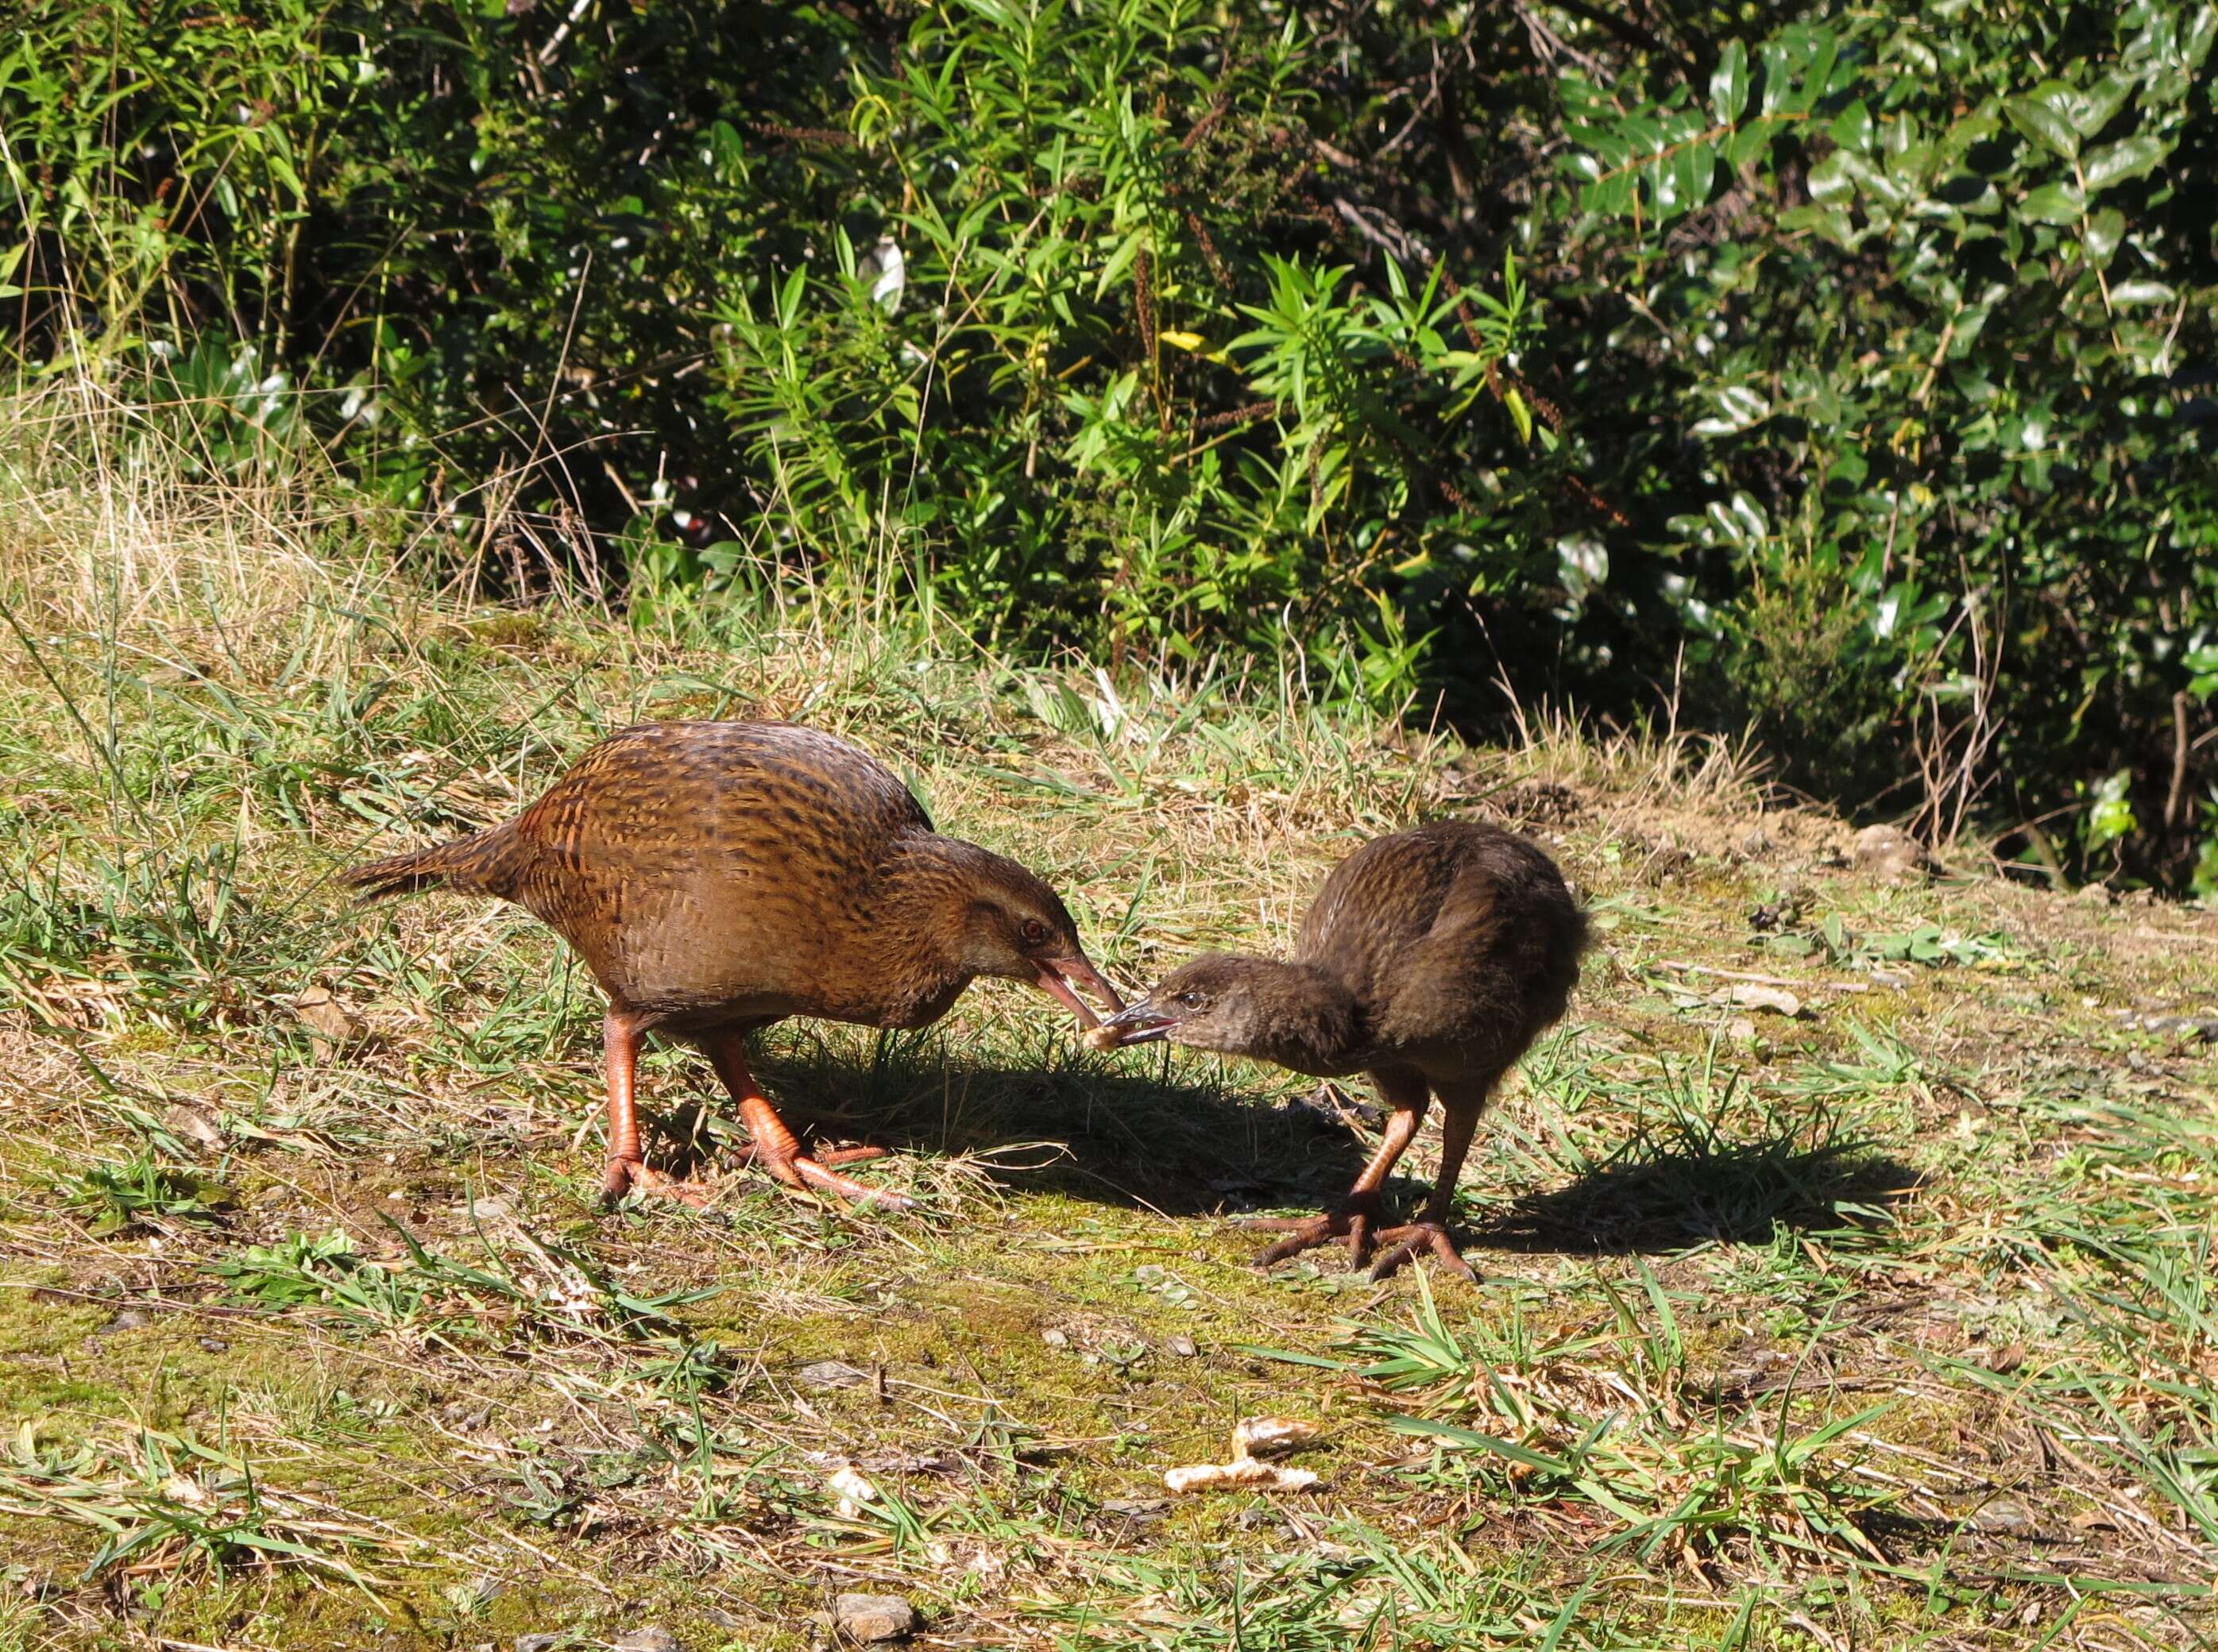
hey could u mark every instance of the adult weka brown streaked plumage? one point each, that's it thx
(1431, 960)
(718, 876)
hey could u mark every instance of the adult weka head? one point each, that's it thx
(991, 917)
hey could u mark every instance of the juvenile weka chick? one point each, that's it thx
(1431, 960)
(718, 876)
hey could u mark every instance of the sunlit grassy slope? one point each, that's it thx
(1890, 1322)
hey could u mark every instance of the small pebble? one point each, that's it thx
(875, 1617)
(213, 1344)
(2004, 1514)
(651, 1638)
(830, 1374)
(1889, 853)
(541, 1642)
(1182, 1346)
(131, 1319)
(1056, 1339)
(2188, 1029)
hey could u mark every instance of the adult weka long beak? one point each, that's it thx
(1057, 976)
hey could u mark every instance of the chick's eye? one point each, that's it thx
(1033, 930)
(1189, 1000)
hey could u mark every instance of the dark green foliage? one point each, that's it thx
(1935, 342)
(1847, 369)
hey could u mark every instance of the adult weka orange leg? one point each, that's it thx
(775, 1147)
(620, 1042)
(1359, 1213)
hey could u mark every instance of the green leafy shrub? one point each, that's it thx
(1847, 370)
(1942, 281)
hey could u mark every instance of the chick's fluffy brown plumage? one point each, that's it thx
(1430, 960)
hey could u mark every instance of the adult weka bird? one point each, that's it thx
(1430, 960)
(718, 876)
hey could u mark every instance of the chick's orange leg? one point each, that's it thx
(776, 1148)
(1429, 1231)
(1357, 1215)
(627, 1164)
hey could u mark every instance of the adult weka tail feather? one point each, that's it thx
(476, 865)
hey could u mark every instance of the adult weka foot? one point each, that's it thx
(1355, 1222)
(749, 1153)
(798, 1168)
(627, 1168)
(772, 1144)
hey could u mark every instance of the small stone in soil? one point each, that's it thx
(2004, 1514)
(875, 1617)
(540, 1643)
(830, 1374)
(1182, 1346)
(1890, 852)
(131, 1319)
(650, 1638)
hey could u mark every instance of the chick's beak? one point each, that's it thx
(1057, 976)
(1140, 1023)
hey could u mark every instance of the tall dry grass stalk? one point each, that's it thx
(128, 556)
(113, 530)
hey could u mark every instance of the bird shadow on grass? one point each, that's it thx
(1663, 1198)
(1187, 1143)
(1153, 1138)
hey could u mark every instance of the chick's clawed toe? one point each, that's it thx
(1406, 1244)
(1353, 1222)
